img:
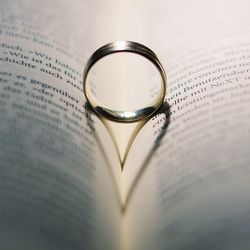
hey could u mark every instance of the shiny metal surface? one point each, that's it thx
(126, 115)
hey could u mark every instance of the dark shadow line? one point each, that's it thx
(165, 110)
(90, 123)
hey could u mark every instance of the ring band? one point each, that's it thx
(132, 47)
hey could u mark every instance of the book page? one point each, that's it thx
(56, 188)
(194, 193)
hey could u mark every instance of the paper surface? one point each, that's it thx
(56, 191)
(194, 194)
(61, 181)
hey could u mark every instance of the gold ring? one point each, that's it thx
(127, 115)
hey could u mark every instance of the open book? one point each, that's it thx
(61, 184)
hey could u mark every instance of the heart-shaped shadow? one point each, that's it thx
(162, 118)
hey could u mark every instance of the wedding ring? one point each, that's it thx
(116, 114)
